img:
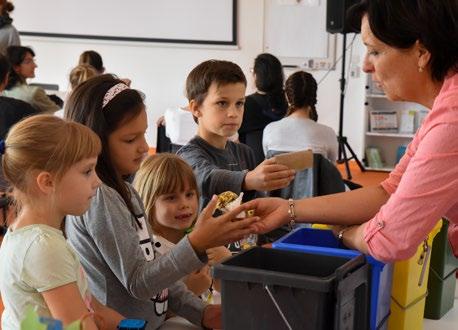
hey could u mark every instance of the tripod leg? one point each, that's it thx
(361, 167)
(345, 160)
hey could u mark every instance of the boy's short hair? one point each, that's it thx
(212, 71)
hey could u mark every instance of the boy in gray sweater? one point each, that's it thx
(216, 93)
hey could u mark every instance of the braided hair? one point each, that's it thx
(300, 89)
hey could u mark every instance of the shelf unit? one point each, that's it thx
(388, 142)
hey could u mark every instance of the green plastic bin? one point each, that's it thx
(442, 280)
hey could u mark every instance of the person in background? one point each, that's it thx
(11, 111)
(22, 68)
(266, 105)
(299, 130)
(412, 57)
(92, 58)
(78, 75)
(8, 33)
(50, 163)
(81, 73)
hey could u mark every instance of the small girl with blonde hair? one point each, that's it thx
(168, 188)
(50, 164)
(80, 73)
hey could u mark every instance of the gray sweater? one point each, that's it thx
(218, 170)
(119, 274)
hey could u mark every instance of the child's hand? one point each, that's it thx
(268, 176)
(211, 232)
(217, 254)
(212, 317)
(200, 281)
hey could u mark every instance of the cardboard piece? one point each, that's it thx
(297, 160)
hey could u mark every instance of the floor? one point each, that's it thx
(448, 322)
(366, 178)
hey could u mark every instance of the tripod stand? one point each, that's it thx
(342, 140)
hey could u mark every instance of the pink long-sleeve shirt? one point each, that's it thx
(424, 185)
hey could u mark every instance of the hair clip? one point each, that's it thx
(2, 147)
(112, 92)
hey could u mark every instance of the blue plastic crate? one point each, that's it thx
(323, 242)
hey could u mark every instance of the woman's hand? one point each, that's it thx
(352, 237)
(212, 317)
(211, 232)
(272, 211)
(217, 254)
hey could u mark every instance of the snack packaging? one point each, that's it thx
(227, 201)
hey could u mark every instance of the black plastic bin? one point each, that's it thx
(276, 289)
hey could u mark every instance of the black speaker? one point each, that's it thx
(336, 13)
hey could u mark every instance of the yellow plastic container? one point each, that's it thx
(410, 287)
(321, 226)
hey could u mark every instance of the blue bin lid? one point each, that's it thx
(319, 241)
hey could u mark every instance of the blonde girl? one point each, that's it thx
(80, 73)
(50, 164)
(168, 187)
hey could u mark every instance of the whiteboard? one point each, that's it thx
(295, 31)
(169, 21)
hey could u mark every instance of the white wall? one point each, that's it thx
(160, 71)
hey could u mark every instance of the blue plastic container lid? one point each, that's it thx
(320, 241)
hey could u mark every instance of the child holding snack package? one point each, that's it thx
(168, 189)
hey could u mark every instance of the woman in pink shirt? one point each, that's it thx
(412, 54)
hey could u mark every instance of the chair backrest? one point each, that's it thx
(49, 87)
(322, 179)
(163, 143)
(328, 179)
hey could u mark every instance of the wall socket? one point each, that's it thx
(355, 70)
(318, 64)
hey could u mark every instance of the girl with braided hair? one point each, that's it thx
(299, 130)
